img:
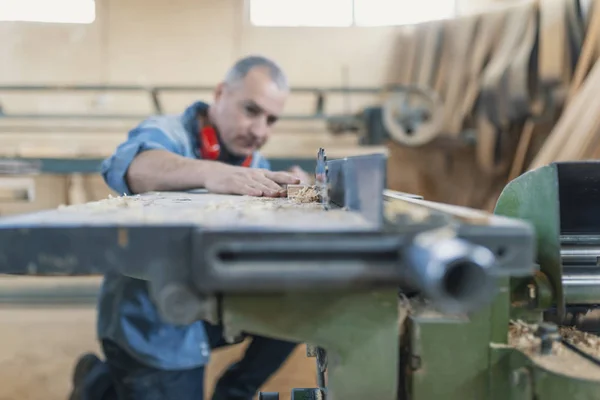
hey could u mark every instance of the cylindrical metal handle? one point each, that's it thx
(451, 272)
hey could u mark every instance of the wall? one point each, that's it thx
(192, 41)
(184, 42)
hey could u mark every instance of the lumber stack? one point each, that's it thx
(515, 88)
(576, 134)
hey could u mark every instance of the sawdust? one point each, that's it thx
(562, 360)
(252, 204)
(256, 208)
(210, 210)
(111, 202)
(585, 341)
(124, 201)
(308, 194)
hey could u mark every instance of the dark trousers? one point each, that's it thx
(131, 380)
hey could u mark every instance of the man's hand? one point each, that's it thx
(298, 172)
(227, 179)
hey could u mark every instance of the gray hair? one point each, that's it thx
(243, 66)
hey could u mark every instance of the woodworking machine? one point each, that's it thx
(396, 297)
(560, 200)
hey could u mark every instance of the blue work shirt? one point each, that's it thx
(126, 314)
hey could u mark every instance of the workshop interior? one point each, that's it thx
(447, 246)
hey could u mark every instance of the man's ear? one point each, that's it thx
(219, 90)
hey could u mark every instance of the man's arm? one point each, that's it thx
(140, 140)
(152, 160)
(156, 170)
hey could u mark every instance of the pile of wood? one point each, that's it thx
(515, 89)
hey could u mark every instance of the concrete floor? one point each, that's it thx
(38, 348)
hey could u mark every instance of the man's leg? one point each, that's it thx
(262, 359)
(135, 381)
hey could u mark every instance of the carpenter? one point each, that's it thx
(215, 147)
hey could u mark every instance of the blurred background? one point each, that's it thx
(463, 95)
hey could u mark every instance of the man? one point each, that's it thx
(213, 147)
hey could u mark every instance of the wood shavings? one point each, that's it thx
(585, 341)
(253, 204)
(204, 209)
(303, 193)
(308, 194)
(110, 202)
(521, 336)
(562, 360)
(123, 201)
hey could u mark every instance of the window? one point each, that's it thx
(301, 12)
(401, 12)
(339, 13)
(54, 11)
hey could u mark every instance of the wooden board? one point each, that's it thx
(197, 208)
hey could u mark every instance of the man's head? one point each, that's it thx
(247, 104)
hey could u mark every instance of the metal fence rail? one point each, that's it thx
(154, 92)
(59, 166)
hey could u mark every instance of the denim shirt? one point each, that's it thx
(126, 314)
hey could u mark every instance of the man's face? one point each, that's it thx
(245, 113)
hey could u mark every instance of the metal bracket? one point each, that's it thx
(357, 184)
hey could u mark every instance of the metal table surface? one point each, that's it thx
(130, 234)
